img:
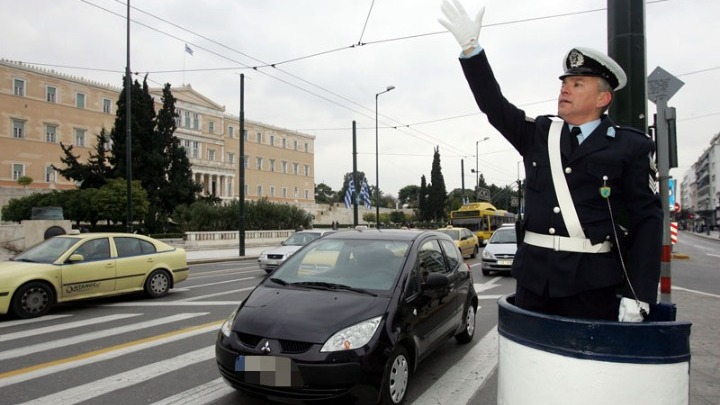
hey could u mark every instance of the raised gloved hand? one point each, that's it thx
(465, 30)
(630, 310)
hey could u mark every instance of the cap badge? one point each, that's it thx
(576, 58)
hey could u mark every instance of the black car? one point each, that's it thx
(349, 317)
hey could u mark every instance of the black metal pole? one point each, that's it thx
(128, 129)
(355, 180)
(241, 233)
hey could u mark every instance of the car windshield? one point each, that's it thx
(504, 236)
(301, 239)
(353, 265)
(453, 233)
(47, 251)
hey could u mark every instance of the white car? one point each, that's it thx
(271, 259)
(500, 250)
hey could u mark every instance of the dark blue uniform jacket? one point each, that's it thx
(626, 160)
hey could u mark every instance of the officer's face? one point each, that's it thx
(581, 99)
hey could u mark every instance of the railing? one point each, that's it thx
(199, 240)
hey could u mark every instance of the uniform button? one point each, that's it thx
(534, 164)
(551, 231)
(607, 237)
(568, 170)
(556, 210)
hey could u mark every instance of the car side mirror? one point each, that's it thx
(436, 281)
(74, 258)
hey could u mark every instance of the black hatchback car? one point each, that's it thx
(349, 317)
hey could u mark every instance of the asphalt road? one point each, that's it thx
(134, 350)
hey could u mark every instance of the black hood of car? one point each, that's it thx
(303, 314)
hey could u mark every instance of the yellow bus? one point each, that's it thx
(482, 218)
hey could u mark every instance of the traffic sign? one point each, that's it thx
(662, 84)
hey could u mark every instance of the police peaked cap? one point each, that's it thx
(589, 62)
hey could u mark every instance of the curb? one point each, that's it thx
(220, 259)
(680, 256)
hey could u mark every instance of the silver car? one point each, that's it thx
(500, 250)
(271, 259)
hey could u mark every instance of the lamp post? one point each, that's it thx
(377, 160)
(477, 173)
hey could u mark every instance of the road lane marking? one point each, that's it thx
(458, 384)
(489, 297)
(41, 370)
(695, 291)
(64, 326)
(202, 394)
(173, 304)
(126, 379)
(201, 297)
(33, 320)
(58, 343)
(221, 282)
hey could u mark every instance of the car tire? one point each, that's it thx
(157, 284)
(396, 379)
(469, 332)
(475, 252)
(32, 300)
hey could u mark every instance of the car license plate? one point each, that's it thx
(272, 262)
(505, 262)
(272, 371)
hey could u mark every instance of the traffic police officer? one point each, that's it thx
(584, 174)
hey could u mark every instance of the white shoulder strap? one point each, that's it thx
(567, 208)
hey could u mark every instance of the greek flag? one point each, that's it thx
(349, 193)
(365, 194)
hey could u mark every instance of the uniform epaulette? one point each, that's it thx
(529, 119)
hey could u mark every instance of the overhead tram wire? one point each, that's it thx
(366, 22)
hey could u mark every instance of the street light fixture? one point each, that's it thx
(377, 161)
(477, 173)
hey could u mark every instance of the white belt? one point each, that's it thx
(565, 244)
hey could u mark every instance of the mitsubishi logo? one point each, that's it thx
(266, 349)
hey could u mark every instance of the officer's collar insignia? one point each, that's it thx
(611, 132)
(576, 58)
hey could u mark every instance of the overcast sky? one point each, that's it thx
(323, 81)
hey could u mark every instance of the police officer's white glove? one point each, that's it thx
(465, 30)
(630, 310)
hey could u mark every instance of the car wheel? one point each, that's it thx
(467, 335)
(475, 252)
(157, 284)
(32, 300)
(397, 377)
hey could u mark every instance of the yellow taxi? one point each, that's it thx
(464, 239)
(89, 265)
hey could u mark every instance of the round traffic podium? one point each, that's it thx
(546, 359)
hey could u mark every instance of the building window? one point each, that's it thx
(18, 170)
(50, 174)
(307, 194)
(259, 137)
(272, 191)
(284, 192)
(18, 129)
(272, 165)
(284, 167)
(231, 158)
(50, 133)
(79, 137)
(211, 154)
(259, 191)
(306, 147)
(196, 149)
(187, 119)
(245, 135)
(211, 127)
(295, 145)
(246, 161)
(107, 106)
(51, 94)
(307, 170)
(272, 140)
(295, 192)
(246, 189)
(19, 87)
(231, 132)
(296, 169)
(178, 118)
(230, 188)
(196, 121)
(284, 143)
(80, 100)
(259, 163)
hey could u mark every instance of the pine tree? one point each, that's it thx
(438, 193)
(93, 174)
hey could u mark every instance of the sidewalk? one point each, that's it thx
(224, 254)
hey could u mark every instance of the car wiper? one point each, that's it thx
(278, 281)
(333, 286)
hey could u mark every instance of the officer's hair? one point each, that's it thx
(603, 85)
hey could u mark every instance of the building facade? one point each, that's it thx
(701, 186)
(40, 108)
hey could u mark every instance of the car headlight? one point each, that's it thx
(352, 337)
(226, 328)
(488, 255)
